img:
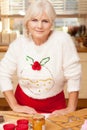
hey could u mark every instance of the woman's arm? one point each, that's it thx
(72, 101)
(9, 96)
(71, 106)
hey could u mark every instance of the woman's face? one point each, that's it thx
(40, 27)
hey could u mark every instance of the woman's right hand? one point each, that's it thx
(9, 95)
(24, 109)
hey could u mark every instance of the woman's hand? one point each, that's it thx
(71, 106)
(24, 109)
(14, 104)
(61, 112)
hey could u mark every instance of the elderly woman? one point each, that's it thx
(45, 60)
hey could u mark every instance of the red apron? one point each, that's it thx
(47, 105)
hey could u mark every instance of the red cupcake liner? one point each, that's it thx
(22, 127)
(22, 121)
(9, 126)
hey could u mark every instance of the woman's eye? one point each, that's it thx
(34, 20)
(45, 21)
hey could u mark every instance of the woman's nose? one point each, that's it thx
(40, 24)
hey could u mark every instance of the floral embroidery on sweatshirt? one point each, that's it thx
(35, 64)
(37, 77)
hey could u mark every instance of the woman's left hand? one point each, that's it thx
(71, 106)
(61, 112)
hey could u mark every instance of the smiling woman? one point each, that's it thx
(45, 59)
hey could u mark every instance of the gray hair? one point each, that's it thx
(36, 8)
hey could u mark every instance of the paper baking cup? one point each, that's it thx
(9, 126)
(22, 127)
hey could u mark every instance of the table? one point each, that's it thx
(71, 121)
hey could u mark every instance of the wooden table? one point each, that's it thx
(71, 121)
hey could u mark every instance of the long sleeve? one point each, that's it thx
(7, 68)
(71, 65)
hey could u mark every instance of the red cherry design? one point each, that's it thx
(36, 66)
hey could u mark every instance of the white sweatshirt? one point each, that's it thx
(56, 59)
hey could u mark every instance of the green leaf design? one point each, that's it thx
(29, 59)
(44, 61)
